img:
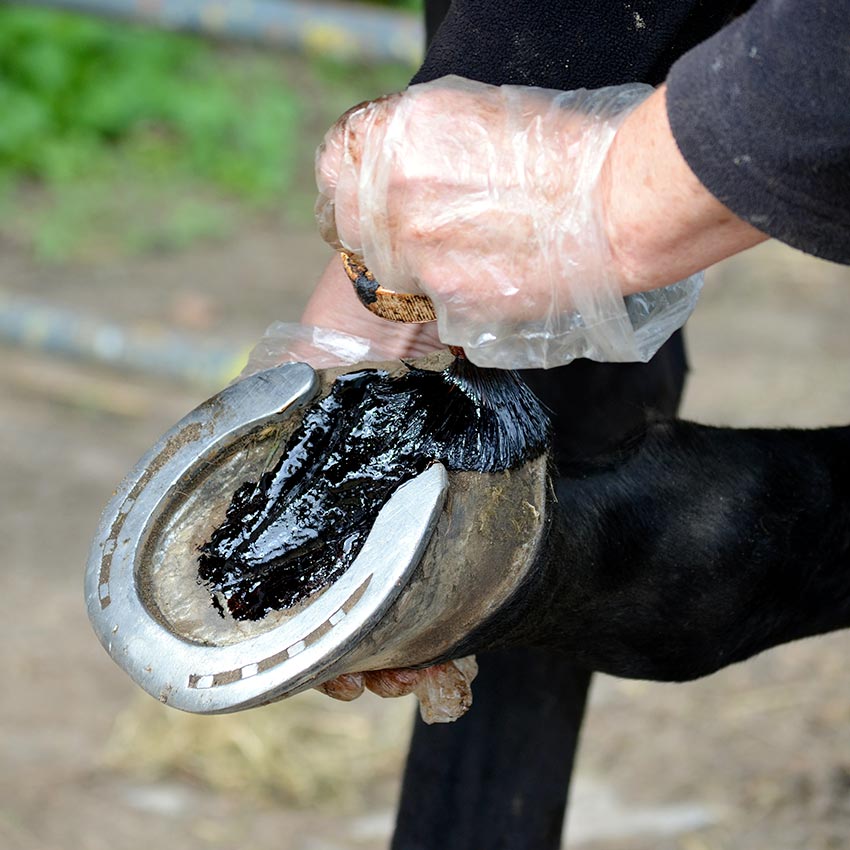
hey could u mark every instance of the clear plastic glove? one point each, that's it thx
(322, 348)
(487, 199)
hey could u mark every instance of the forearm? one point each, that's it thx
(662, 223)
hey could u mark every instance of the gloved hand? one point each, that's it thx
(444, 690)
(487, 199)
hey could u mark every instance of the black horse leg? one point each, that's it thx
(498, 778)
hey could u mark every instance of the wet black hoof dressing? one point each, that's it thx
(304, 522)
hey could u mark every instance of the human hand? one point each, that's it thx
(444, 690)
(487, 199)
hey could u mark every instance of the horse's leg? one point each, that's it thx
(497, 778)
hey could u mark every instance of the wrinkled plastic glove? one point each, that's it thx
(487, 199)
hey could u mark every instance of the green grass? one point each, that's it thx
(74, 90)
(116, 138)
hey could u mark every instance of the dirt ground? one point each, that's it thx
(756, 757)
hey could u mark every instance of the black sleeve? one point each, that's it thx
(566, 44)
(435, 12)
(761, 113)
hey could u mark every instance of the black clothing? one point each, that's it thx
(570, 44)
(761, 113)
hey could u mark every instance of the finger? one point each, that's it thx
(334, 163)
(356, 135)
(393, 683)
(346, 687)
(325, 214)
(330, 154)
(445, 691)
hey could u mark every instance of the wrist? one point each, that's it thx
(662, 224)
(628, 265)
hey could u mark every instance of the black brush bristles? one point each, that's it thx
(303, 523)
(501, 426)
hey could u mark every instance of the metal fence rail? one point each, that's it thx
(41, 326)
(341, 30)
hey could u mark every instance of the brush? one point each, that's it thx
(510, 423)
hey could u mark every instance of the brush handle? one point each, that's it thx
(411, 308)
(394, 306)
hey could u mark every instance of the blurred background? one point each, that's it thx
(156, 199)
